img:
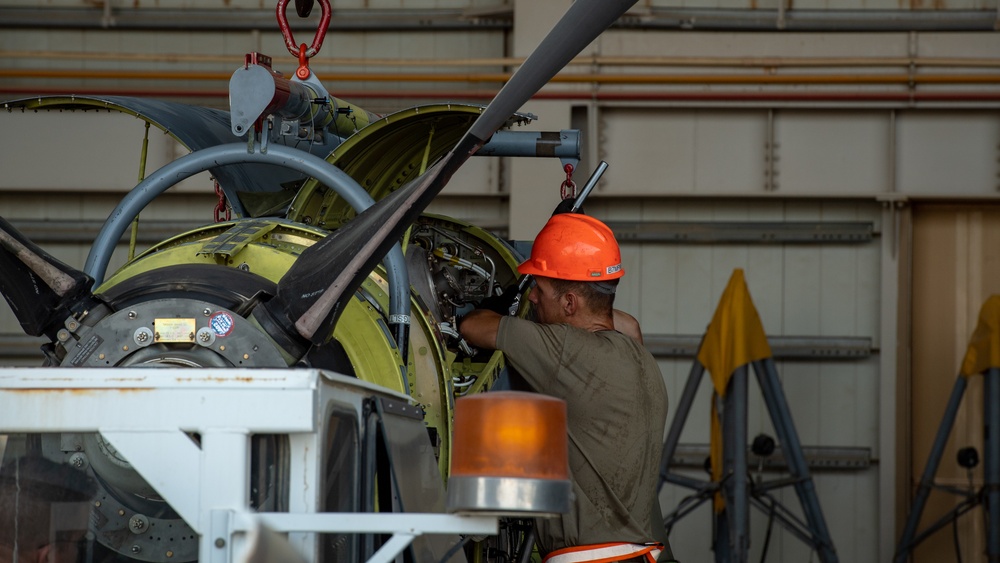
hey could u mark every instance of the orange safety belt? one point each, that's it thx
(605, 553)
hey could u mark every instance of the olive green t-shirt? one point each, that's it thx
(616, 411)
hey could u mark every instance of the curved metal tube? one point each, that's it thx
(236, 153)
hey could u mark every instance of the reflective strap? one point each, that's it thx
(604, 553)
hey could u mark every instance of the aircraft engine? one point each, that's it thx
(188, 302)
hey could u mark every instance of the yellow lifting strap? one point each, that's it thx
(984, 346)
(734, 338)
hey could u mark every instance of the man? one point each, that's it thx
(614, 392)
(44, 511)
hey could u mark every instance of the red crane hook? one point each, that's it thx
(297, 50)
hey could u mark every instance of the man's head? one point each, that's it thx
(577, 265)
(571, 302)
(45, 510)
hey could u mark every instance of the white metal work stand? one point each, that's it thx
(146, 415)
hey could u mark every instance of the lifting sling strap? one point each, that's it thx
(605, 553)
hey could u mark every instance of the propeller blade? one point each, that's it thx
(312, 293)
(40, 289)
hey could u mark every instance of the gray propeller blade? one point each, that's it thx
(39, 289)
(311, 294)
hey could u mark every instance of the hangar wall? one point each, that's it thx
(729, 148)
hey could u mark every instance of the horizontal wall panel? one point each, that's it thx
(84, 151)
(831, 152)
(666, 152)
(949, 153)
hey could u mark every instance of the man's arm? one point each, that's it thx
(480, 327)
(627, 325)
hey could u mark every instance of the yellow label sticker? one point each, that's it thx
(174, 330)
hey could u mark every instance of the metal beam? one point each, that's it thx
(766, 232)
(660, 345)
(239, 20)
(706, 19)
(782, 347)
(703, 19)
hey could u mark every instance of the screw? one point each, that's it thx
(78, 460)
(137, 523)
(132, 315)
(62, 335)
(142, 336)
(190, 336)
(219, 542)
(136, 548)
(206, 312)
(204, 336)
(157, 335)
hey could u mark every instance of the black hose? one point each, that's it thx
(767, 535)
(524, 554)
(954, 536)
(454, 549)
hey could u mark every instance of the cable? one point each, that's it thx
(767, 534)
(454, 549)
(954, 536)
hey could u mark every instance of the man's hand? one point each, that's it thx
(500, 304)
(627, 325)
(480, 327)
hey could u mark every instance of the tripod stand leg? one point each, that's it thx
(781, 416)
(734, 424)
(906, 542)
(680, 417)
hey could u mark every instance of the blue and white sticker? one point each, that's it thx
(614, 269)
(221, 323)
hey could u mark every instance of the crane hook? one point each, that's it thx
(286, 31)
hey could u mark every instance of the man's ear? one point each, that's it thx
(570, 303)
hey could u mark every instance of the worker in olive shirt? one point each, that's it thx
(615, 396)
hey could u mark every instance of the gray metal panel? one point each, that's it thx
(949, 153)
(681, 152)
(831, 152)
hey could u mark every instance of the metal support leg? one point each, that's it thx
(991, 461)
(222, 488)
(734, 424)
(680, 417)
(781, 416)
(906, 542)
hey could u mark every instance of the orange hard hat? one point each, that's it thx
(573, 246)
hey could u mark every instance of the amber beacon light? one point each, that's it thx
(509, 455)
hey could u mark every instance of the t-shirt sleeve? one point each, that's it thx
(534, 350)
